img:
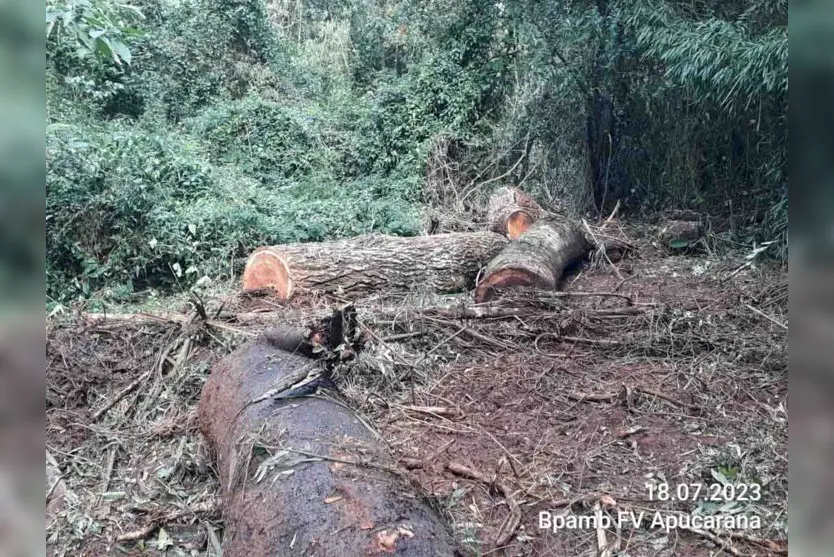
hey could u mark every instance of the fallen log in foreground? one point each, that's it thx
(302, 475)
(372, 263)
(511, 212)
(538, 258)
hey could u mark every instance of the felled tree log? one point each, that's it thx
(372, 263)
(538, 258)
(680, 233)
(304, 476)
(511, 212)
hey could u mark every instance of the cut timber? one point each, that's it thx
(304, 475)
(373, 263)
(511, 212)
(538, 258)
(680, 231)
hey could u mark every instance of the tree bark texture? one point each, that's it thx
(304, 476)
(373, 263)
(538, 258)
(511, 212)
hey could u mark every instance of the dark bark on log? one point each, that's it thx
(680, 231)
(304, 475)
(373, 263)
(511, 212)
(538, 258)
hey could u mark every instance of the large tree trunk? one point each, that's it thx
(372, 263)
(538, 258)
(304, 476)
(511, 212)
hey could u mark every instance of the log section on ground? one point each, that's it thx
(304, 476)
(538, 258)
(511, 212)
(441, 263)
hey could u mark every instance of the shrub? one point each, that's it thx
(264, 139)
(133, 208)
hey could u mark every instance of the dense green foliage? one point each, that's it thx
(182, 134)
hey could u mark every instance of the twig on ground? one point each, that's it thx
(667, 398)
(121, 394)
(434, 410)
(578, 340)
(625, 433)
(779, 547)
(209, 507)
(108, 472)
(578, 294)
(345, 461)
(602, 540)
(513, 520)
(585, 397)
(722, 544)
(766, 316)
(402, 336)
(414, 463)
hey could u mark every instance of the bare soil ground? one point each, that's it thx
(676, 375)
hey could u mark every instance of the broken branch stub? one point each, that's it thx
(294, 472)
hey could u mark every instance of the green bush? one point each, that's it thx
(263, 139)
(128, 209)
(135, 209)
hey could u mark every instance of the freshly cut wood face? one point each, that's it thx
(511, 212)
(538, 258)
(506, 278)
(265, 269)
(518, 223)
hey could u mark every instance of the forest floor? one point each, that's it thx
(673, 373)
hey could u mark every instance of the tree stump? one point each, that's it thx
(511, 212)
(372, 263)
(538, 258)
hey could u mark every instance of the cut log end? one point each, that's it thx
(518, 223)
(265, 270)
(506, 278)
(511, 212)
(538, 258)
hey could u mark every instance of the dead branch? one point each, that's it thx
(578, 340)
(667, 398)
(722, 544)
(585, 397)
(766, 316)
(414, 463)
(511, 523)
(434, 410)
(207, 508)
(121, 394)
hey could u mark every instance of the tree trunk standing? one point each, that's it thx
(538, 258)
(511, 212)
(373, 263)
(304, 476)
(605, 100)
